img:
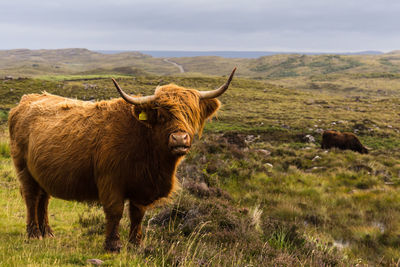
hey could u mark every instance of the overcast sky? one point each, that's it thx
(202, 25)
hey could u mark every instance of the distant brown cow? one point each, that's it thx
(109, 151)
(343, 141)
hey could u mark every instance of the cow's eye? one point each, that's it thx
(162, 115)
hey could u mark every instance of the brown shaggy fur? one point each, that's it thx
(343, 141)
(85, 151)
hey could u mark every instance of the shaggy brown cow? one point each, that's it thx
(110, 151)
(343, 141)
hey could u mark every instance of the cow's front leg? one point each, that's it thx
(136, 213)
(113, 204)
(113, 216)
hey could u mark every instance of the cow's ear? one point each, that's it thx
(145, 115)
(209, 107)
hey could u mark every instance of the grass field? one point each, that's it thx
(255, 191)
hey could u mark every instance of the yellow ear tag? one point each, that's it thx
(143, 116)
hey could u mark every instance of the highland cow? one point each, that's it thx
(109, 151)
(342, 141)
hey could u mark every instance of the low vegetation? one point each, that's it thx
(257, 189)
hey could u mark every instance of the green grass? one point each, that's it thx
(79, 77)
(4, 147)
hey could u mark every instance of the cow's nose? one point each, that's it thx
(179, 143)
(179, 139)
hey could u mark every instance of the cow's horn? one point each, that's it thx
(133, 100)
(217, 92)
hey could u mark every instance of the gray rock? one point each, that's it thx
(319, 131)
(95, 261)
(309, 138)
(264, 152)
(269, 165)
(316, 158)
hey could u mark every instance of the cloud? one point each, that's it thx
(200, 25)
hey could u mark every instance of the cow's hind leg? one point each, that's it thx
(42, 215)
(30, 191)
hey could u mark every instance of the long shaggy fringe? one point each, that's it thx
(183, 104)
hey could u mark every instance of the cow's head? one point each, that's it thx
(175, 114)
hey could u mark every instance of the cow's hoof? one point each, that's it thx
(113, 246)
(33, 232)
(47, 231)
(135, 240)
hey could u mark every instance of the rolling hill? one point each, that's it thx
(24, 62)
